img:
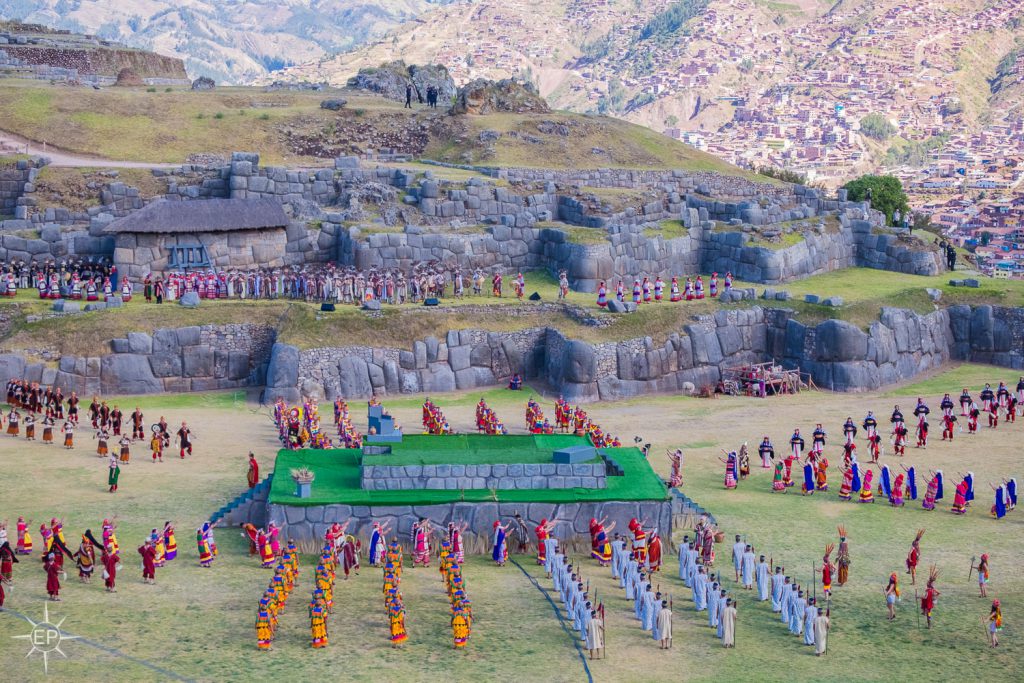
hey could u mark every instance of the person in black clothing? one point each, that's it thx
(408, 95)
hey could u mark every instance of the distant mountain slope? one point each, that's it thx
(231, 42)
(757, 82)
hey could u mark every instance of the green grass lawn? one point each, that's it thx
(474, 449)
(667, 230)
(198, 623)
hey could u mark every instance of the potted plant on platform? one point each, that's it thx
(303, 477)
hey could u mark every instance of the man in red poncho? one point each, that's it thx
(109, 560)
(148, 552)
(253, 475)
(52, 570)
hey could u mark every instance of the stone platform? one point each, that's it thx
(457, 477)
(572, 520)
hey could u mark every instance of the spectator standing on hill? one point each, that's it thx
(408, 95)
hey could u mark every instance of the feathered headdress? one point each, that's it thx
(917, 539)
(933, 574)
(828, 550)
(842, 531)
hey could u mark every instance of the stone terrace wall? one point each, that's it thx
(175, 360)
(500, 476)
(466, 359)
(853, 245)
(838, 356)
(572, 520)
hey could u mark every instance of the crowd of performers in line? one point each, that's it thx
(32, 403)
(158, 548)
(799, 609)
(451, 555)
(859, 480)
(568, 420)
(434, 421)
(645, 291)
(94, 281)
(75, 278)
(487, 420)
(314, 284)
(275, 598)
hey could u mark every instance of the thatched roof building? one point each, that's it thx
(207, 215)
(168, 235)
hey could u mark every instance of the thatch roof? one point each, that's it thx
(202, 215)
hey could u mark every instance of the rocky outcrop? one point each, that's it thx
(204, 83)
(509, 95)
(390, 80)
(127, 78)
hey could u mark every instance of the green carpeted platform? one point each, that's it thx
(338, 472)
(474, 449)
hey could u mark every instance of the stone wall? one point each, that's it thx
(835, 354)
(174, 360)
(465, 359)
(305, 524)
(12, 185)
(988, 334)
(456, 477)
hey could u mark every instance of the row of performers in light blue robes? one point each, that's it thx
(649, 607)
(574, 597)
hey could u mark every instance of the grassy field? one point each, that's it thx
(198, 624)
(289, 127)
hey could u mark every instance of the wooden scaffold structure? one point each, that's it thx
(764, 379)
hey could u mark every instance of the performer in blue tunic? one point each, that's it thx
(778, 584)
(499, 551)
(723, 602)
(808, 479)
(713, 605)
(700, 589)
(1011, 490)
(999, 507)
(787, 600)
(796, 615)
(911, 482)
(810, 614)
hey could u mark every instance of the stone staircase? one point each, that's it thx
(250, 506)
(686, 511)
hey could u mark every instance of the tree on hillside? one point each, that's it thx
(886, 193)
(877, 126)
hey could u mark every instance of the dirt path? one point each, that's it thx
(15, 144)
